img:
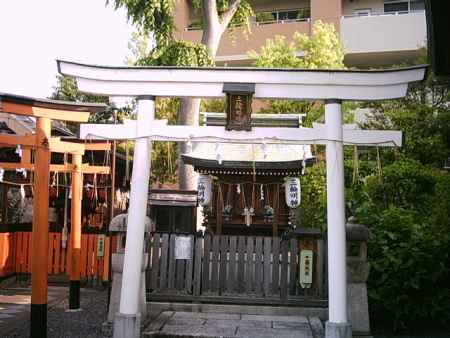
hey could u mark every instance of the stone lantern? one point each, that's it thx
(357, 274)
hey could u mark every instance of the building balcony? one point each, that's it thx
(385, 38)
(235, 45)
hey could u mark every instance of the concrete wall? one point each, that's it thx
(384, 33)
(327, 10)
(182, 14)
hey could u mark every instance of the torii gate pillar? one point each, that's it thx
(127, 322)
(337, 325)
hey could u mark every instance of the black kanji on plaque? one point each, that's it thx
(239, 105)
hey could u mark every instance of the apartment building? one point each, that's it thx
(374, 32)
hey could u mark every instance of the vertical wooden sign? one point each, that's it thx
(239, 105)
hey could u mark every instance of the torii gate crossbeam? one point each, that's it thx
(331, 86)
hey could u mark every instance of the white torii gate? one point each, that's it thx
(331, 86)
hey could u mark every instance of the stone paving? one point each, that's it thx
(212, 325)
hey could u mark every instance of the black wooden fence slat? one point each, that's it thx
(206, 261)
(250, 265)
(293, 266)
(155, 263)
(267, 265)
(284, 270)
(171, 276)
(241, 264)
(198, 265)
(164, 262)
(276, 265)
(215, 264)
(223, 263)
(258, 266)
(231, 280)
(190, 266)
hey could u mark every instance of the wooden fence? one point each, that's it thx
(15, 255)
(227, 267)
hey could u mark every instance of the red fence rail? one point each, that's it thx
(15, 255)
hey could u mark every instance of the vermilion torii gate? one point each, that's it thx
(144, 83)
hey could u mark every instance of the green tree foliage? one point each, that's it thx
(178, 53)
(165, 154)
(312, 210)
(408, 210)
(66, 89)
(154, 16)
(423, 116)
(408, 214)
(320, 50)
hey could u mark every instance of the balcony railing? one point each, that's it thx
(357, 15)
(269, 18)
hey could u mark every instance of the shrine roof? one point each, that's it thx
(52, 104)
(233, 155)
(45, 108)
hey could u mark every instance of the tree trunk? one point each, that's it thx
(189, 109)
(187, 115)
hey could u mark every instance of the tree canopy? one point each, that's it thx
(320, 50)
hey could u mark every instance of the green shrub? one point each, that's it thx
(409, 279)
(407, 210)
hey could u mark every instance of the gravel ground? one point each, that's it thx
(86, 323)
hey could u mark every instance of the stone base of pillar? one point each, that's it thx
(337, 330)
(127, 326)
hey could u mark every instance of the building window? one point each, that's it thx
(283, 15)
(362, 12)
(403, 6)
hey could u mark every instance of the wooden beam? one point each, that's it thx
(100, 146)
(64, 115)
(85, 167)
(26, 156)
(93, 169)
(56, 114)
(16, 165)
(14, 140)
(61, 167)
(58, 146)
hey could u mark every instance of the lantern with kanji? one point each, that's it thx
(292, 192)
(204, 190)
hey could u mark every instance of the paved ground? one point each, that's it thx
(15, 305)
(15, 317)
(201, 324)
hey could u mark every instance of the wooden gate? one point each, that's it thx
(223, 268)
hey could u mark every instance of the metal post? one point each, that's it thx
(39, 236)
(127, 321)
(75, 232)
(337, 325)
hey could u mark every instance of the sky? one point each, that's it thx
(34, 33)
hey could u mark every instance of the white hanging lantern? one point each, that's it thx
(292, 192)
(204, 190)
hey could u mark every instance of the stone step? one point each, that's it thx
(184, 324)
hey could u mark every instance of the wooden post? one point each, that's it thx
(75, 232)
(38, 327)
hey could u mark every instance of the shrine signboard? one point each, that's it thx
(239, 105)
